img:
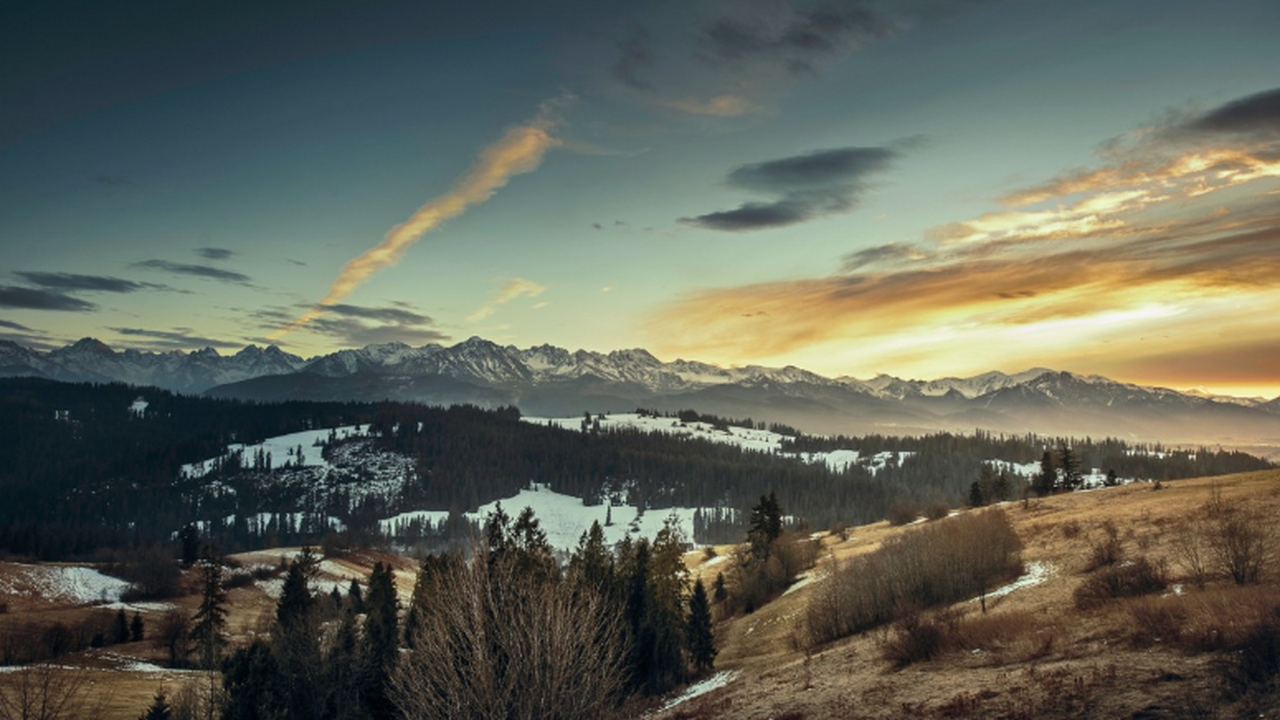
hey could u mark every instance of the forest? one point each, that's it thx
(81, 472)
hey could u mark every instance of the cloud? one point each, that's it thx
(213, 253)
(797, 39)
(201, 271)
(891, 253)
(635, 53)
(16, 326)
(511, 289)
(811, 185)
(37, 299)
(1254, 114)
(716, 106)
(175, 339)
(390, 314)
(72, 282)
(1163, 249)
(519, 151)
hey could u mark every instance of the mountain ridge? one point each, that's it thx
(546, 379)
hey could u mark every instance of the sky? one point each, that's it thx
(923, 188)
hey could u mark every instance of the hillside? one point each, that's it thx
(1174, 653)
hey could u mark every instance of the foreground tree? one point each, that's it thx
(701, 642)
(211, 617)
(504, 637)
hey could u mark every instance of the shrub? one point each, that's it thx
(916, 637)
(939, 563)
(936, 510)
(1139, 577)
(902, 511)
(1106, 552)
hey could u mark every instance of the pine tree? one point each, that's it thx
(380, 641)
(1047, 480)
(591, 565)
(975, 495)
(765, 527)
(356, 597)
(135, 628)
(1069, 463)
(120, 628)
(699, 639)
(719, 592)
(159, 709)
(295, 642)
(211, 616)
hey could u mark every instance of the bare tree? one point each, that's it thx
(495, 643)
(45, 692)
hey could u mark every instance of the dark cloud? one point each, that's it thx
(356, 326)
(398, 315)
(819, 170)
(15, 326)
(811, 185)
(40, 299)
(1259, 113)
(212, 253)
(891, 253)
(800, 38)
(203, 271)
(354, 332)
(635, 54)
(754, 216)
(175, 339)
(72, 282)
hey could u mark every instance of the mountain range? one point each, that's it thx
(553, 381)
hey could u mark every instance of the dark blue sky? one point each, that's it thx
(921, 188)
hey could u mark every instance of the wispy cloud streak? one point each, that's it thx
(520, 150)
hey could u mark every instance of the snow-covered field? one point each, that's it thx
(66, 583)
(745, 438)
(281, 450)
(564, 518)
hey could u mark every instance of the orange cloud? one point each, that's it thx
(520, 150)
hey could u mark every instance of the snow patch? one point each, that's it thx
(1037, 572)
(69, 583)
(702, 687)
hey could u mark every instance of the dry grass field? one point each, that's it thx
(1180, 652)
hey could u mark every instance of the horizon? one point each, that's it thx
(918, 189)
(311, 358)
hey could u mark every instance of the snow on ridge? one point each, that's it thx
(564, 518)
(280, 450)
(71, 583)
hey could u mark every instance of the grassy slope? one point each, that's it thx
(1036, 655)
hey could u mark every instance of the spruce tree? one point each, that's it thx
(380, 641)
(699, 638)
(159, 709)
(135, 628)
(1047, 480)
(210, 619)
(120, 628)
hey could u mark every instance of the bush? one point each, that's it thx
(916, 637)
(902, 511)
(1139, 577)
(1106, 552)
(936, 510)
(953, 559)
